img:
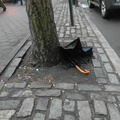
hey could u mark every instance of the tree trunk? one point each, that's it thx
(45, 44)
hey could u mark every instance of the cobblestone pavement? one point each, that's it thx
(31, 100)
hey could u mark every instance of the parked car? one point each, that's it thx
(106, 6)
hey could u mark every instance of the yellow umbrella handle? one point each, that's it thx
(85, 71)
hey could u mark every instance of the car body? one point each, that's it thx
(105, 5)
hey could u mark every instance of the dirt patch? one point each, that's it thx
(27, 72)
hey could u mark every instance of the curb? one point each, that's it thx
(9, 58)
(109, 50)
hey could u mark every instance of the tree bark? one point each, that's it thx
(45, 44)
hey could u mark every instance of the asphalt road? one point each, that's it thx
(110, 28)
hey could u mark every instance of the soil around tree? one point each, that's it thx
(28, 71)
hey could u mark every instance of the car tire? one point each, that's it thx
(104, 10)
(90, 4)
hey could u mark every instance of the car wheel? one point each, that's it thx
(104, 10)
(90, 4)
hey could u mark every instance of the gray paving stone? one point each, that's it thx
(97, 45)
(6, 114)
(89, 44)
(95, 55)
(17, 93)
(100, 119)
(69, 117)
(16, 85)
(21, 93)
(100, 107)
(104, 58)
(64, 86)
(42, 104)
(26, 108)
(96, 63)
(39, 116)
(114, 112)
(99, 72)
(108, 67)
(113, 79)
(86, 87)
(40, 85)
(3, 94)
(75, 96)
(84, 110)
(61, 35)
(114, 88)
(9, 104)
(101, 80)
(102, 96)
(100, 50)
(69, 105)
(55, 109)
(49, 93)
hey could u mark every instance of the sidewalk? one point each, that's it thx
(13, 29)
(94, 98)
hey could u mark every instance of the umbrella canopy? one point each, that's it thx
(74, 54)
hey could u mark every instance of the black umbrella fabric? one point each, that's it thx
(74, 54)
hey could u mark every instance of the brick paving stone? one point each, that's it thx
(101, 80)
(21, 93)
(42, 104)
(108, 67)
(9, 104)
(100, 119)
(104, 58)
(86, 87)
(96, 63)
(3, 94)
(99, 72)
(97, 45)
(69, 105)
(100, 107)
(84, 110)
(113, 79)
(40, 85)
(75, 96)
(6, 114)
(89, 44)
(64, 86)
(55, 109)
(95, 55)
(114, 88)
(49, 93)
(26, 108)
(39, 116)
(100, 50)
(16, 85)
(69, 117)
(102, 96)
(114, 112)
